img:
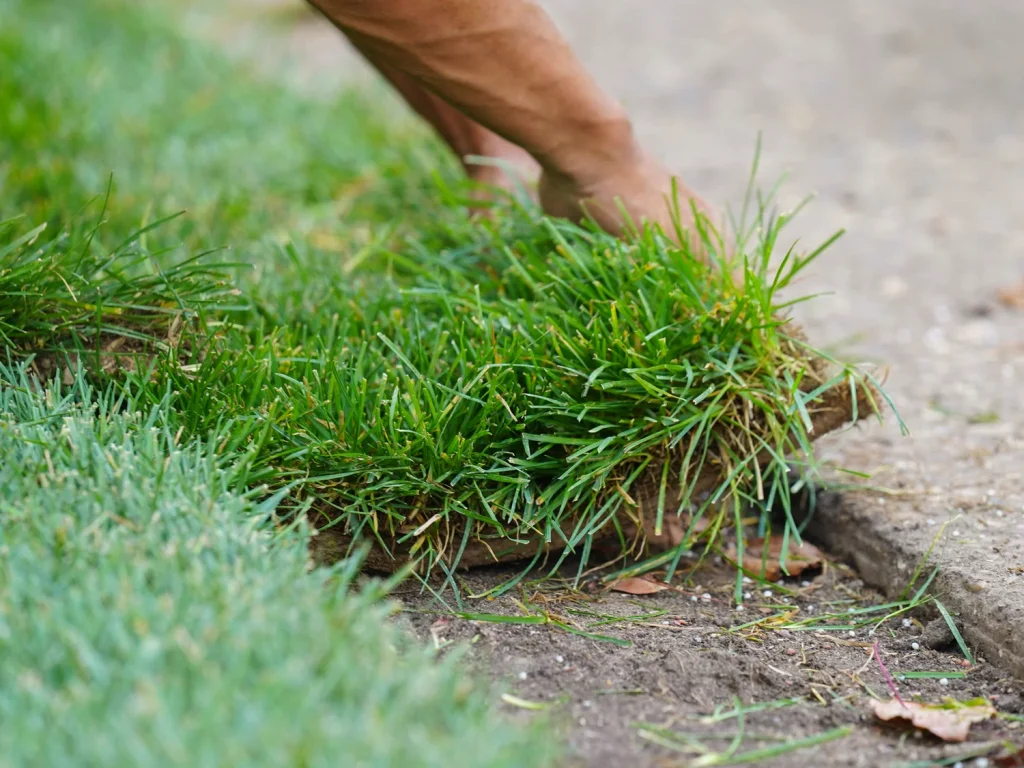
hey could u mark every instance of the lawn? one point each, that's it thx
(322, 333)
(151, 611)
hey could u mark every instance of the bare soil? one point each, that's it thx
(687, 658)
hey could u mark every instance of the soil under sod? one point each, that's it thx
(683, 662)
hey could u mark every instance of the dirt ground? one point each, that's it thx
(672, 659)
(907, 119)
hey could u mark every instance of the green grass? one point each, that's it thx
(361, 348)
(509, 382)
(149, 616)
(153, 609)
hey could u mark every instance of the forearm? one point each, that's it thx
(504, 64)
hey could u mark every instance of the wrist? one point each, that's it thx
(593, 150)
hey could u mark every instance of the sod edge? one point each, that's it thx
(629, 529)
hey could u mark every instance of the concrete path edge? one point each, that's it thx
(855, 528)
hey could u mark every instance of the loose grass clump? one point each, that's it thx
(549, 387)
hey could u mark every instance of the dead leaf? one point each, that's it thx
(798, 558)
(637, 586)
(950, 722)
(1012, 297)
(1011, 758)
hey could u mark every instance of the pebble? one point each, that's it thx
(560, 659)
(706, 596)
(943, 681)
(522, 675)
(698, 639)
(747, 595)
(805, 583)
(739, 607)
(767, 593)
(791, 651)
(693, 599)
(851, 633)
(915, 646)
(907, 622)
(981, 762)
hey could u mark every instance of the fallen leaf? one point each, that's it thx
(637, 586)
(798, 558)
(950, 722)
(1012, 297)
(1011, 758)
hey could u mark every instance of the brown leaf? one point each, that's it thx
(798, 558)
(637, 586)
(1011, 758)
(949, 723)
(1012, 297)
